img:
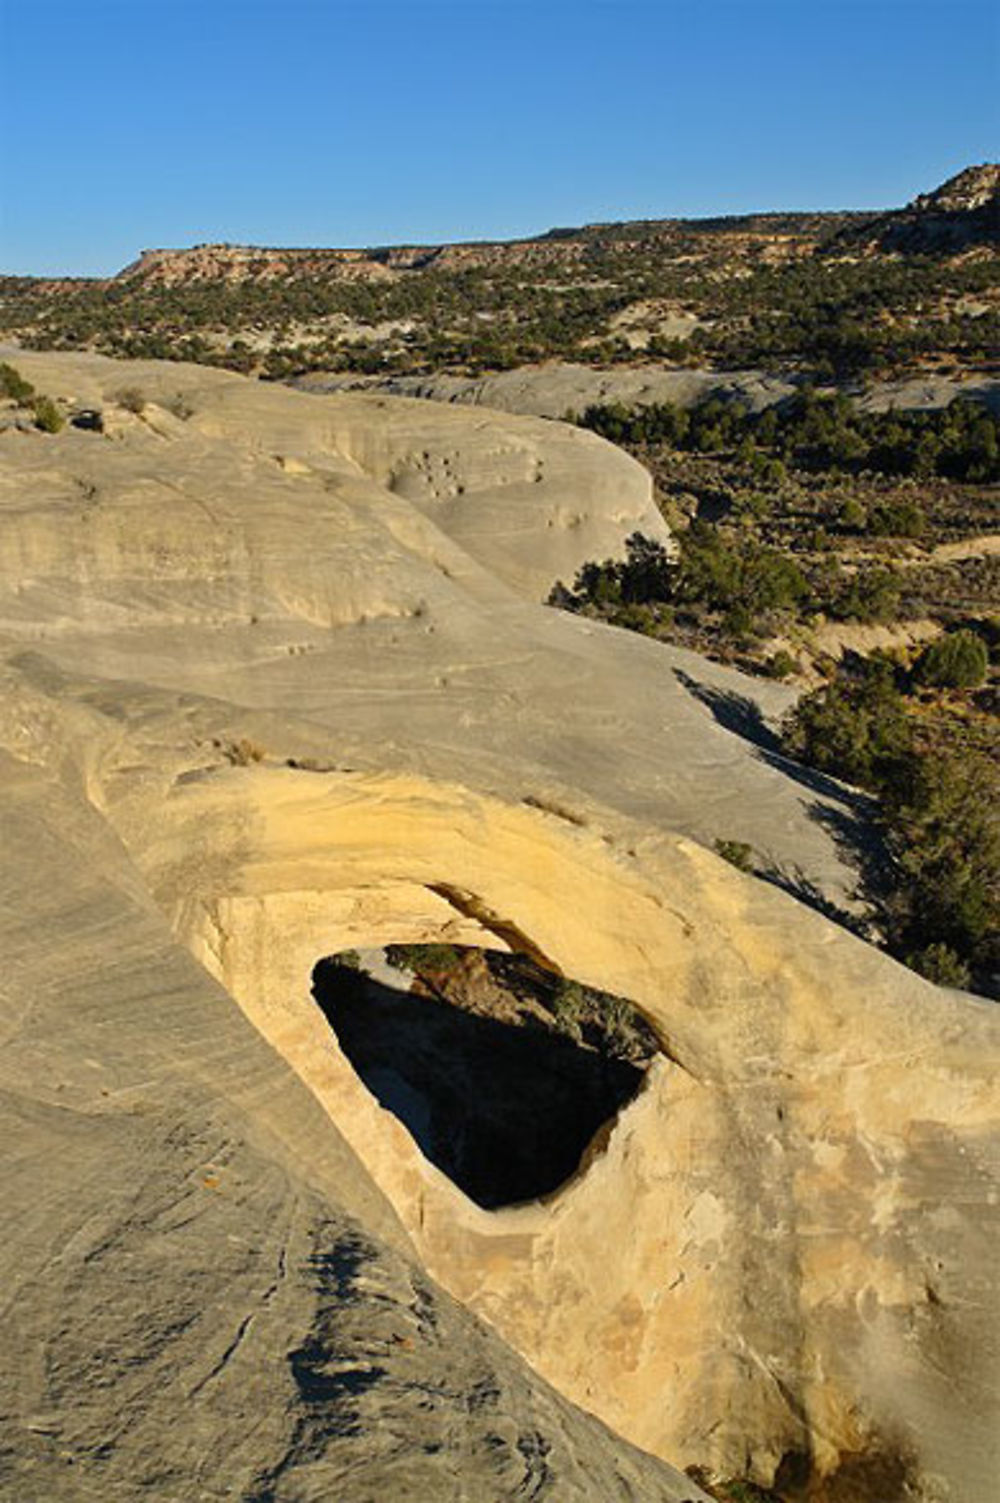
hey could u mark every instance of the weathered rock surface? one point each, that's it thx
(205, 1296)
(275, 684)
(556, 388)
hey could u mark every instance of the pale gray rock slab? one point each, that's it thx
(557, 388)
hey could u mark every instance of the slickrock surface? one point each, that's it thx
(276, 683)
(204, 1295)
(557, 387)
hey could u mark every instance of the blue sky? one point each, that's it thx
(126, 124)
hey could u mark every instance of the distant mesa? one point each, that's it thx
(963, 212)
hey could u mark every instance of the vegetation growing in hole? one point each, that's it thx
(568, 1005)
(588, 1016)
(502, 1071)
(424, 959)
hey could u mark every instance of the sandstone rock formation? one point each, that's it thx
(556, 388)
(275, 683)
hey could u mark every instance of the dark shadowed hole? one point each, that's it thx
(501, 1072)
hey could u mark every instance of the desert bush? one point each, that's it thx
(738, 853)
(132, 399)
(899, 519)
(14, 386)
(855, 728)
(822, 433)
(780, 664)
(939, 963)
(569, 1006)
(242, 753)
(940, 816)
(47, 415)
(853, 515)
(958, 660)
(868, 595)
(944, 820)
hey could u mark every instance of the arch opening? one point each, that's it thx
(501, 1072)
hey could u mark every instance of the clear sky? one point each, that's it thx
(127, 124)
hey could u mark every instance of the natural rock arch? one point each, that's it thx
(712, 1256)
(502, 1073)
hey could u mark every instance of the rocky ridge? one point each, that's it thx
(961, 212)
(960, 216)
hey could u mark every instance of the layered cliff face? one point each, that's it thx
(276, 685)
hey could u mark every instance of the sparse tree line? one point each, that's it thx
(745, 587)
(819, 433)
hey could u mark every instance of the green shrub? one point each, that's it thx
(424, 959)
(752, 506)
(867, 596)
(750, 577)
(898, 519)
(956, 661)
(855, 728)
(940, 816)
(853, 515)
(939, 963)
(781, 664)
(14, 386)
(944, 821)
(569, 1006)
(47, 415)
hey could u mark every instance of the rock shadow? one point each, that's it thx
(734, 712)
(849, 815)
(504, 1109)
